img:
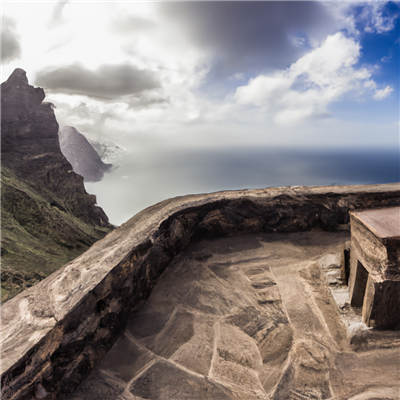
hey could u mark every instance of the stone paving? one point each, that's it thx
(243, 318)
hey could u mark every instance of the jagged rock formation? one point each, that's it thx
(263, 294)
(30, 147)
(47, 216)
(80, 153)
(108, 151)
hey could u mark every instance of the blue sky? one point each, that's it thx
(161, 77)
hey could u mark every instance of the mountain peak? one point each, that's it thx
(18, 98)
(17, 77)
(30, 147)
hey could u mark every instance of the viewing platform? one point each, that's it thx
(222, 296)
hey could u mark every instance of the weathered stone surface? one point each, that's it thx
(293, 347)
(384, 223)
(80, 153)
(56, 332)
(375, 266)
(19, 99)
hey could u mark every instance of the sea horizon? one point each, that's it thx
(142, 179)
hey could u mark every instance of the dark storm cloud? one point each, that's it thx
(251, 34)
(107, 82)
(10, 47)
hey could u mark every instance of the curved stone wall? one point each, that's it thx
(53, 334)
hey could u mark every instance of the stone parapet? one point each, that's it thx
(54, 333)
(374, 265)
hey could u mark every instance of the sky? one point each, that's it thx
(167, 80)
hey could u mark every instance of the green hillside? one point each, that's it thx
(37, 237)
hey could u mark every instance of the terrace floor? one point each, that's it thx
(250, 317)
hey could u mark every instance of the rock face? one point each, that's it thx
(108, 151)
(47, 216)
(270, 304)
(80, 153)
(30, 147)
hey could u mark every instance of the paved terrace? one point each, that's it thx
(263, 311)
(246, 318)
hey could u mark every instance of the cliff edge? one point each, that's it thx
(30, 147)
(48, 218)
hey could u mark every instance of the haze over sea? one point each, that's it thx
(143, 179)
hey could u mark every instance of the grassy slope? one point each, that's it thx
(36, 238)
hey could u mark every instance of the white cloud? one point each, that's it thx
(343, 12)
(376, 19)
(298, 41)
(238, 76)
(381, 94)
(305, 89)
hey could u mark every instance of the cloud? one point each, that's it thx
(57, 13)
(378, 18)
(10, 47)
(381, 94)
(238, 76)
(305, 89)
(243, 35)
(131, 24)
(370, 16)
(107, 82)
(85, 116)
(298, 41)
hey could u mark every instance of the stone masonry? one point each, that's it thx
(374, 266)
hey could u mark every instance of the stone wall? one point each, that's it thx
(374, 282)
(54, 333)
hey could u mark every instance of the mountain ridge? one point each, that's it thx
(30, 147)
(48, 218)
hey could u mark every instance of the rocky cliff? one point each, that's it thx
(30, 147)
(80, 153)
(47, 216)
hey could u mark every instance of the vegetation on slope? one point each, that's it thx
(37, 237)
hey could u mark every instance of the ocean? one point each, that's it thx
(145, 178)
